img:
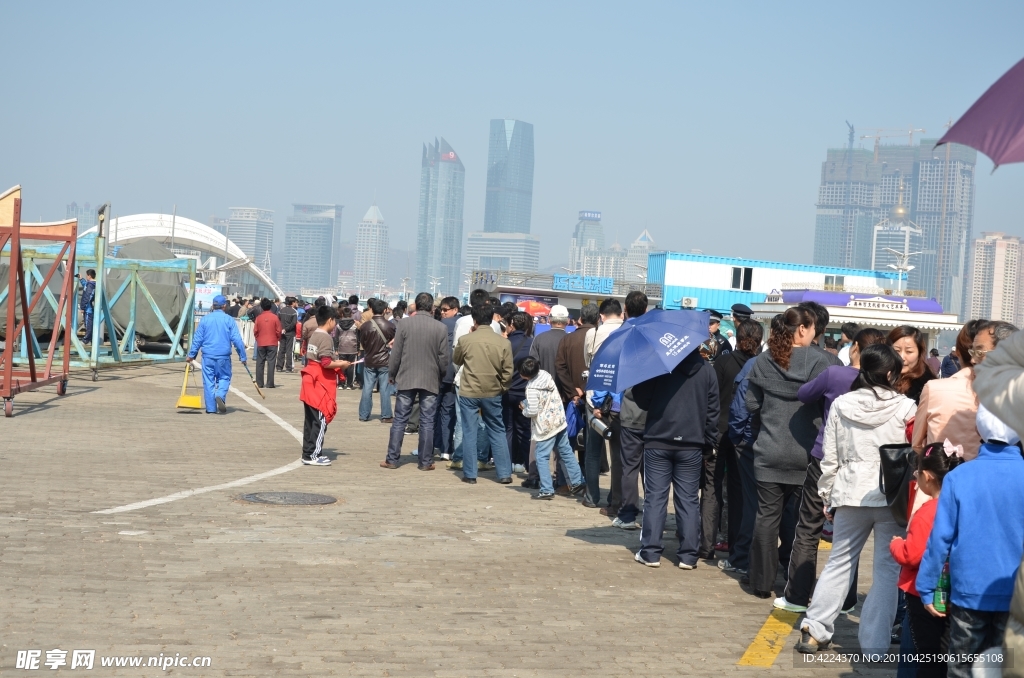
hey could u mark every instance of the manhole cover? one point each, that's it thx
(288, 498)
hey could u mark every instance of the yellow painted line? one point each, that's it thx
(770, 640)
(824, 545)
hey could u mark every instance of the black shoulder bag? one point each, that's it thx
(894, 476)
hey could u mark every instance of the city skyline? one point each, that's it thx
(749, 116)
(508, 207)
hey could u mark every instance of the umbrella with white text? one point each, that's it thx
(646, 347)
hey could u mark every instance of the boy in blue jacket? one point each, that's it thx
(979, 526)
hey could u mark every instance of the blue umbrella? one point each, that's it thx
(647, 347)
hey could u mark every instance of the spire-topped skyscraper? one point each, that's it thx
(439, 232)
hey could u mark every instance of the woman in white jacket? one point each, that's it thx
(872, 414)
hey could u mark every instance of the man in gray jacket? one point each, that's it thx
(419, 360)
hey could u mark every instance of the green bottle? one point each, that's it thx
(940, 599)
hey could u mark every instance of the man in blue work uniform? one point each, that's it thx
(86, 302)
(215, 335)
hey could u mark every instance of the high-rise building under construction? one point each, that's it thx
(859, 188)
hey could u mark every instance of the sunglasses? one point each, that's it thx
(978, 353)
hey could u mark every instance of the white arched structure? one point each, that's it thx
(188, 233)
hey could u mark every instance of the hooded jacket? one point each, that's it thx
(346, 337)
(979, 525)
(785, 428)
(682, 407)
(858, 424)
(544, 407)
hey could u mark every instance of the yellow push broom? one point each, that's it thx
(186, 401)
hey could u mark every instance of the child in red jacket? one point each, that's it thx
(319, 388)
(929, 633)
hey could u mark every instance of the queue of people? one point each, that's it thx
(773, 441)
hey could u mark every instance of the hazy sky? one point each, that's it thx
(706, 122)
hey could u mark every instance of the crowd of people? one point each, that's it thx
(775, 442)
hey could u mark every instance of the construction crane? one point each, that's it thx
(887, 133)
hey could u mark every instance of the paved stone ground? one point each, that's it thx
(409, 574)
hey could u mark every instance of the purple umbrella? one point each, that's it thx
(994, 125)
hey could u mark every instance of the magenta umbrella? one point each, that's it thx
(994, 125)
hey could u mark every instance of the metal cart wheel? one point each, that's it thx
(8, 407)
(62, 387)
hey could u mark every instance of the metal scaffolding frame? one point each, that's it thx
(121, 348)
(19, 371)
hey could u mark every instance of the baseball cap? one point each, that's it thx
(220, 300)
(559, 312)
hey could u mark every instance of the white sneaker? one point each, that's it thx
(624, 525)
(445, 456)
(518, 468)
(783, 604)
(640, 560)
(684, 566)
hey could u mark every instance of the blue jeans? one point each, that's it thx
(216, 380)
(494, 429)
(483, 447)
(680, 470)
(378, 376)
(444, 423)
(403, 408)
(560, 441)
(972, 632)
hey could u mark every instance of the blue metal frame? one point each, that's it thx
(92, 254)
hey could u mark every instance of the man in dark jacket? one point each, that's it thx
(570, 361)
(749, 335)
(714, 327)
(673, 451)
(375, 336)
(632, 421)
(545, 351)
(289, 316)
(444, 428)
(517, 426)
(418, 362)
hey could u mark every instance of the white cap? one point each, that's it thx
(559, 312)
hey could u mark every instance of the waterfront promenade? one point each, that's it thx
(408, 574)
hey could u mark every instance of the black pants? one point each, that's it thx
(313, 429)
(266, 358)
(517, 429)
(745, 505)
(285, 352)
(733, 489)
(631, 444)
(350, 373)
(711, 501)
(777, 507)
(930, 635)
(803, 563)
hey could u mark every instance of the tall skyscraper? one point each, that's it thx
(86, 216)
(252, 229)
(996, 290)
(312, 250)
(587, 240)
(858, 190)
(439, 234)
(371, 266)
(509, 177)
